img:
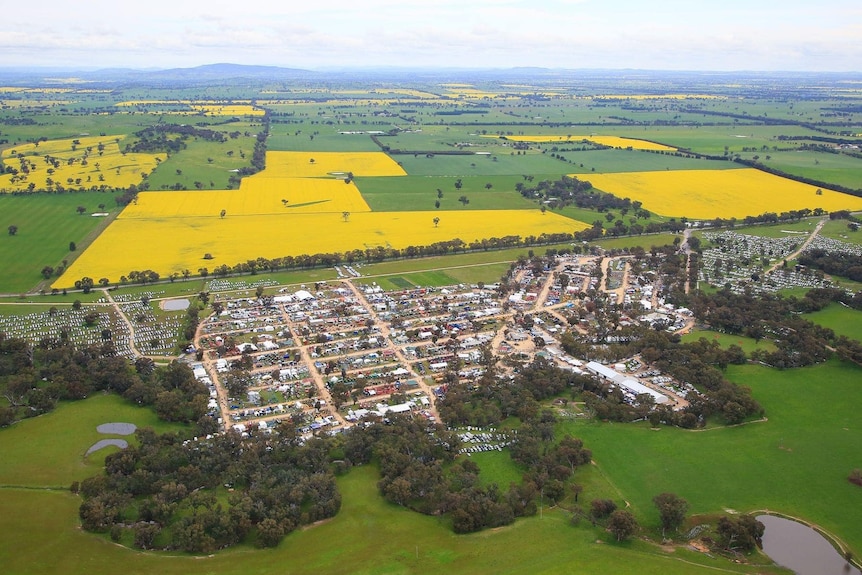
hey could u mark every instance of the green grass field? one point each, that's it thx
(46, 224)
(49, 451)
(368, 536)
(840, 319)
(797, 462)
(747, 344)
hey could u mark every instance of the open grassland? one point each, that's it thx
(838, 230)
(46, 224)
(368, 536)
(421, 193)
(169, 245)
(327, 164)
(468, 165)
(49, 451)
(725, 340)
(80, 163)
(840, 319)
(613, 141)
(840, 169)
(797, 462)
(707, 194)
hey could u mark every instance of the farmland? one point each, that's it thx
(720, 194)
(612, 141)
(80, 163)
(354, 170)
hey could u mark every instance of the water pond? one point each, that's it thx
(801, 548)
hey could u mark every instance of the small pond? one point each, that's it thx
(121, 443)
(801, 548)
(117, 428)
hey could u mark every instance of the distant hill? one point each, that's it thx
(200, 75)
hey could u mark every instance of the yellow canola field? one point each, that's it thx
(708, 194)
(258, 196)
(169, 245)
(613, 141)
(325, 164)
(83, 162)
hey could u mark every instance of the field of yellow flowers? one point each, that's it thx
(707, 194)
(277, 213)
(80, 163)
(613, 141)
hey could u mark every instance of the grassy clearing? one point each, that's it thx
(840, 169)
(840, 319)
(497, 467)
(48, 451)
(796, 462)
(634, 241)
(747, 344)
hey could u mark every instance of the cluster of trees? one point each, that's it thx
(419, 471)
(493, 399)
(34, 378)
(799, 342)
(834, 263)
(164, 490)
(158, 138)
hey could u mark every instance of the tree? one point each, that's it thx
(742, 532)
(269, 533)
(237, 383)
(671, 510)
(436, 221)
(72, 246)
(81, 210)
(464, 200)
(13, 229)
(223, 213)
(345, 215)
(622, 524)
(855, 477)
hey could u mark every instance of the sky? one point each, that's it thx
(723, 35)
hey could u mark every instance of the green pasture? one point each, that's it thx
(284, 138)
(497, 467)
(194, 165)
(645, 241)
(838, 230)
(842, 320)
(413, 193)
(47, 223)
(582, 164)
(49, 450)
(488, 273)
(840, 169)
(409, 281)
(725, 340)
(464, 166)
(796, 462)
(368, 536)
